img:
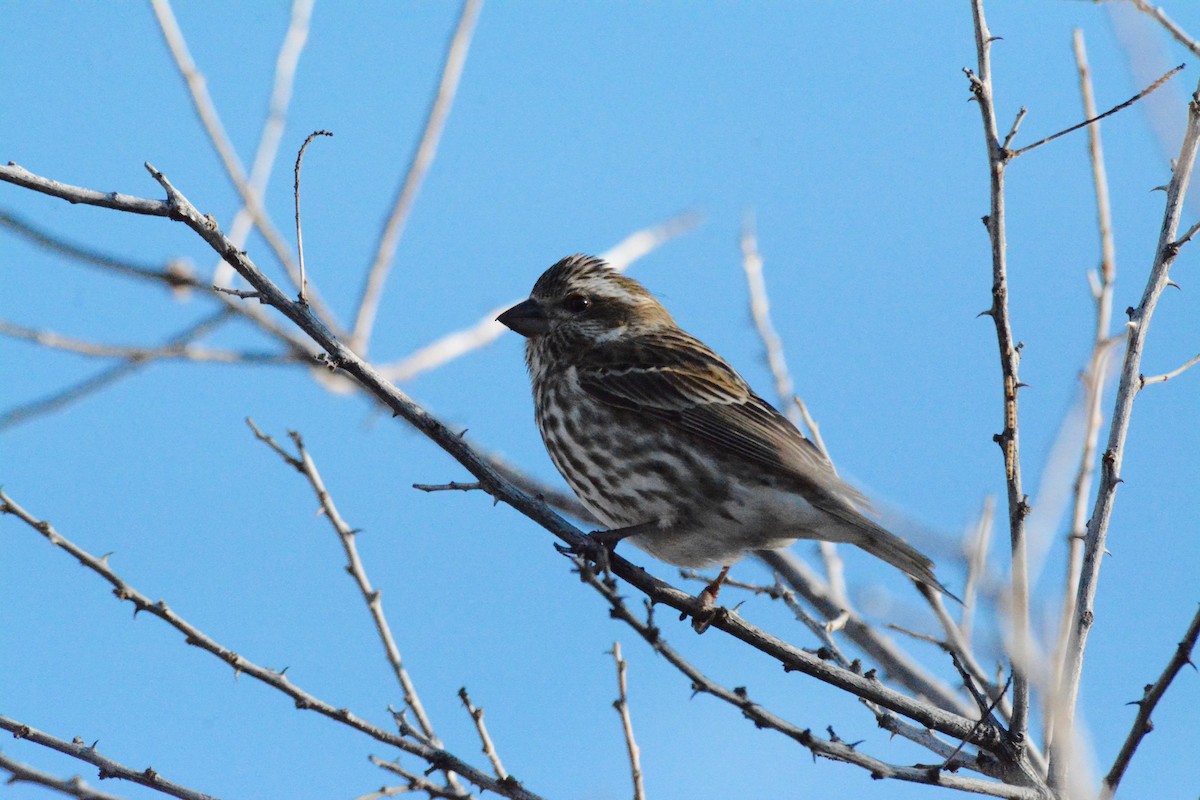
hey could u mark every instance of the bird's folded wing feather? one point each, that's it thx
(684, 383)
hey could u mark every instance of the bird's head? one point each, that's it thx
(583, 299)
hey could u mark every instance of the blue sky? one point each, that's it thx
(843, 127)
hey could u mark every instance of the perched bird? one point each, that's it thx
(666, 444)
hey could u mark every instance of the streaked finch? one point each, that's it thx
(665, 443)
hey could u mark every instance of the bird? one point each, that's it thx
(666, 444)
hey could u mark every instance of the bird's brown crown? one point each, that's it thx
(585, 294)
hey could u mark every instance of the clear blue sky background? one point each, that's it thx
(843, 126)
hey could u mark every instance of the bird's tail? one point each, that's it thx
(885, 545)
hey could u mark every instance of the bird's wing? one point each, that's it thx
(673, 377)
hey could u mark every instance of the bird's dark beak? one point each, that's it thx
(527, 318)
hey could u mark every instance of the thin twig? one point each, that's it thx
(1143, 93)
(621, 704)
(1110, 473)
(75, 787)
(1166, 376)
(1010, 357)
(458, 343)
(108, 768)
(419, 783)
(439, 110)
(485, 739)
(296, 194)
(243, 666)
(1150, 698)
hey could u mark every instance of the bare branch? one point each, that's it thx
(833, 748)
(1010, 357)
(458, 343)
(452, 486)
(621, 704)
(435, 756)
(19, 176)
(304, 464)
(439, 110)
(1110, 473)
(75, 787)
(108, 768)
(1150, 698)
(891, 660)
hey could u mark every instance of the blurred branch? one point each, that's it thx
(621, 704)
(1161, 18)
(108, 768)
(74, 787)
(1110, 474)
(458, 343)
(286, 62)
(64, 397)
(760, 311)
(206, 110)
(977, 548)
(439, 110)
(176, 274)
(1150, 697)
(1093, 379)
(435, 756)
(182, 351)
(1010, 359)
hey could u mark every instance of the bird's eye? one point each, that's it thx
(577, 303)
